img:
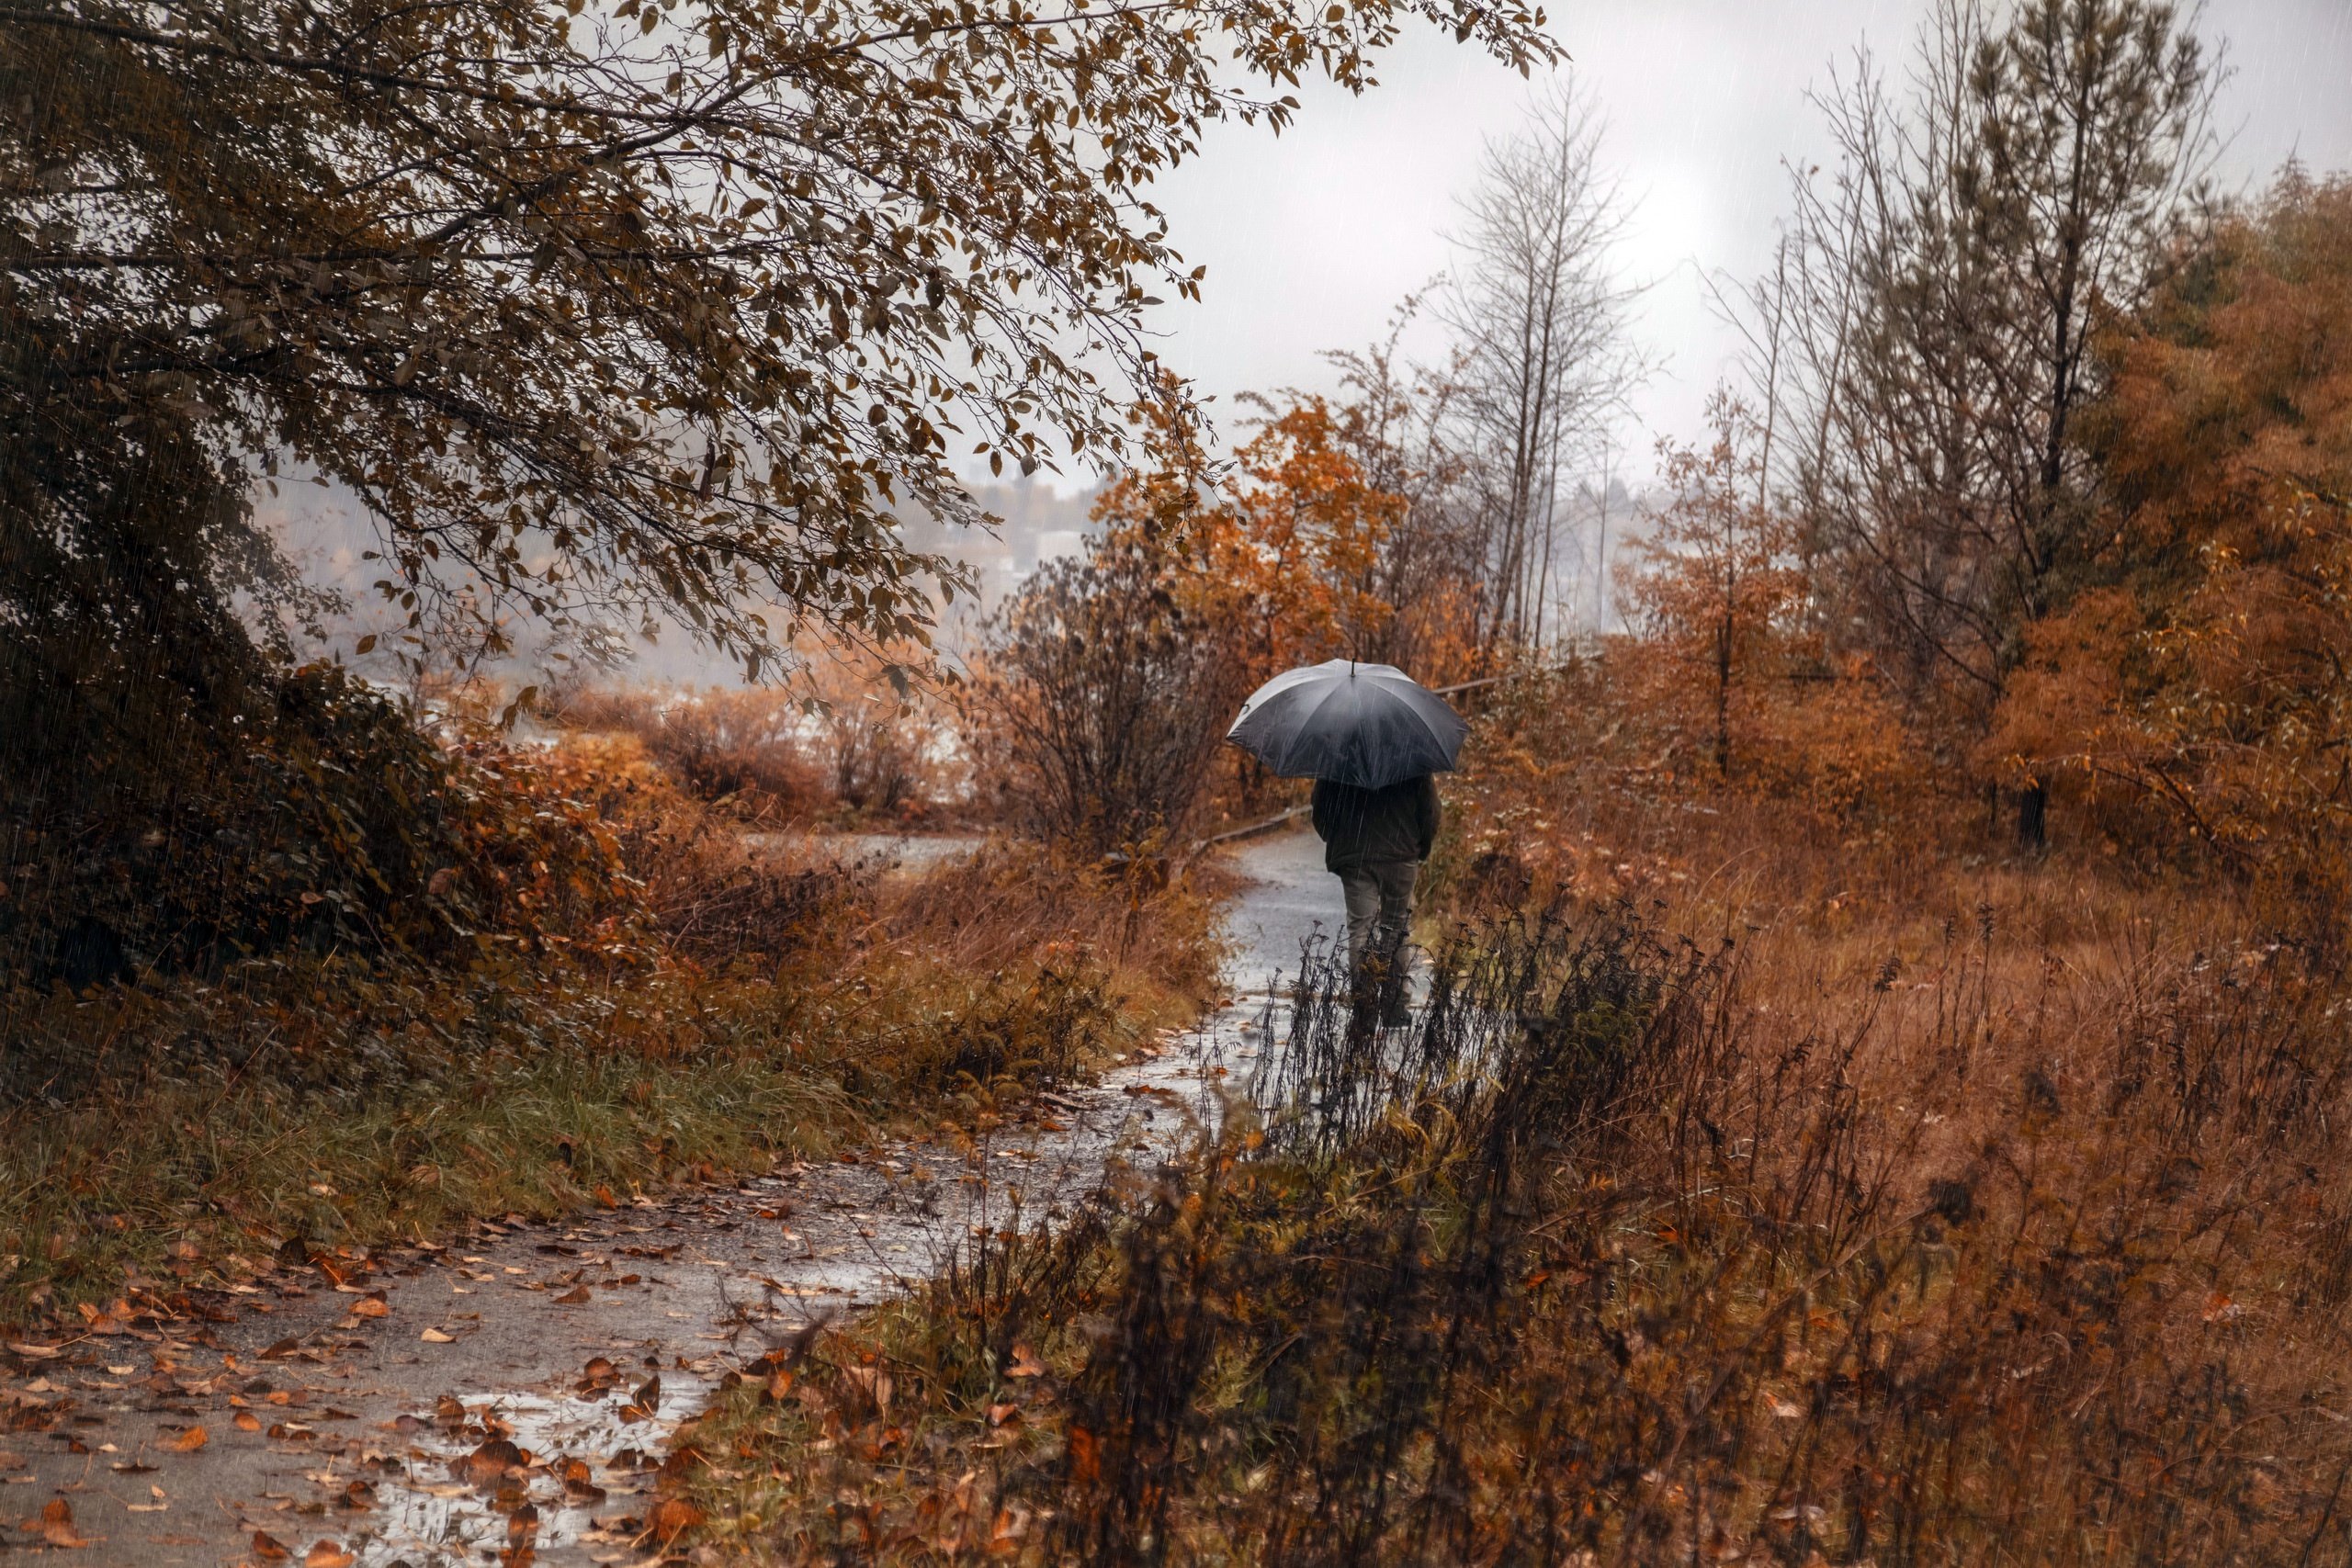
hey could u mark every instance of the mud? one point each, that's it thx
(366, 1419)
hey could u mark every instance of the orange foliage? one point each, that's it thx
(1730, 660)
(1298, 545)
(2197, 693)
(1283, 567)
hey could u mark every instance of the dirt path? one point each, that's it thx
(361, 1420)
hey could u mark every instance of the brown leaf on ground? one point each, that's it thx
(268, 1548)
(56, 1525)
(575, 1296)
(327, 1554)
(1085, 1456)
(35, 1352)
(874, 1382)
(601, 1371)
(669, 1518)
(522, 1525)
(1004, 1535)
(490, 1462)
(373, 1306)
(779, 1385)
(246, 1421)
(107, 1320)
(1025, 1364)
(434, 1336)
(188, 1442)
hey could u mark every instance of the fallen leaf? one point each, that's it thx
(268, 1548)
(109, 1320)
(573, 1297)
(1025, 1364)
(872, 1381)
(188, 1442)
(35, 1352)
(327, 1554)
(668, 1519)
(57, 1525)
(372, 1306)
(1085, 1456)
(247, 1421)
(1005, 1536)
(134, 1468)
(434, 1336)
(490, 1462)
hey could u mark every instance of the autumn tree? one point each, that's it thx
(1714, 579)
(1939, 301)
(1398, 423)
(1295, 545)
(1539, 316)
(642, 307)
(2196, 692)
(1104, 692)
(607, 313)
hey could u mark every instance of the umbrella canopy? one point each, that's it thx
(1367, 725)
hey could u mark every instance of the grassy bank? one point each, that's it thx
(716, 1008)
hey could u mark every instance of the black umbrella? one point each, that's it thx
(1367, 725)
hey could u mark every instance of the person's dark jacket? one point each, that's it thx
(1376, 827)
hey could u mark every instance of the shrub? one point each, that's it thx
(1102, 698)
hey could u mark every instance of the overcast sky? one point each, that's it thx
(1310, 238)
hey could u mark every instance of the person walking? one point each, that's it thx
(1375, 841)
(1371, 737)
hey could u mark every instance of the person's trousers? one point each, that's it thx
(1380, 909)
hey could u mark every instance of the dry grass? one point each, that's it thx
(711, 1007)
(1829, 1190)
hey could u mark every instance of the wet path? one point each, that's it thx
(508, 1400)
